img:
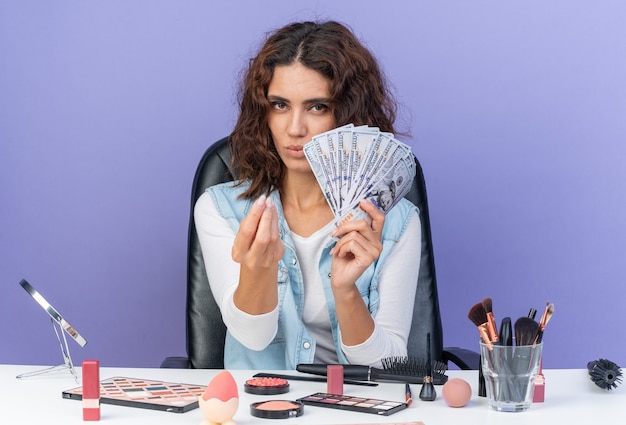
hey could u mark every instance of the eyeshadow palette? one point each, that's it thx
(155, 395)
(357, 404)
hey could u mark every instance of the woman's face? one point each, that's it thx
(300, 109)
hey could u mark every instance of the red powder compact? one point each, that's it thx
(266, 386)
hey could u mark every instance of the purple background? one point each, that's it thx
(517, 111)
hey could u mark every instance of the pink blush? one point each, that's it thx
(277, 405)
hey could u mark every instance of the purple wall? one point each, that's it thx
(517, 112)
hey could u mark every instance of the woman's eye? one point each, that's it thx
(319, 107)
(279, 105)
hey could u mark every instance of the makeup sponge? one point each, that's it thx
(456, 392)
(222, 387)
(220, 400)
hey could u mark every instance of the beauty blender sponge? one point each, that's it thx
(456, 392)
(222, 387)
(220, 400)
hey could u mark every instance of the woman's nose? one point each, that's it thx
(297, 125)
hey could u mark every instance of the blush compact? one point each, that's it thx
(277, 409)
(266, 386)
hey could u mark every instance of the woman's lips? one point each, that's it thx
(295, 151)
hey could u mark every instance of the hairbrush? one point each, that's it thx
(604, 373)
(411, 366)
(395, 369)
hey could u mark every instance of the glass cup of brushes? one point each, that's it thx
(509, 372)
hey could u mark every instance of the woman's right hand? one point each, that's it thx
(258, 249)
(257, 244)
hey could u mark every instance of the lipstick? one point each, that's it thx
(91, 390)
(335, 379)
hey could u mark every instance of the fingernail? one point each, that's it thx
(269, 204)
(260, 202)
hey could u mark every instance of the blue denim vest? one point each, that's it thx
(293, 344)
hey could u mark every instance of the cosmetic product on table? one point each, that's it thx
(91, 390)
(456, 392)
(408, 394)
(354, 403)
(220, 400)
(335, 379)
(539, 393)
(266, 386)
(277, 409)
(143, 393)
(428, 393)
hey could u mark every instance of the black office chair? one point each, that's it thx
(206, 330)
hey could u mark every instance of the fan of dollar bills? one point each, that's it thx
(354, 163)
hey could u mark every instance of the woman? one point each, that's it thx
(291, 287)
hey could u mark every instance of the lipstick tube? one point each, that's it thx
(91, 390)
(335, 379)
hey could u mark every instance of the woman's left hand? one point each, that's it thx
(359, 246)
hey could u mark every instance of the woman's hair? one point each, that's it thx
(358, 94)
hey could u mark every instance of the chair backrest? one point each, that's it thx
(206, 330)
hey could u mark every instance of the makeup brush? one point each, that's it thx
(506, 340)
(492, 328)
(525, 331)
(604, 373)
(428, 393)
(506, 332)
(545, 318)
(478, 316)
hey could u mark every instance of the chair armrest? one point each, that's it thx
(465, 359)
(175, 363)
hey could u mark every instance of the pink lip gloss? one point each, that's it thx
(91, 390)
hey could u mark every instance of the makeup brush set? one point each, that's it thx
(511, 350)
(526, 330)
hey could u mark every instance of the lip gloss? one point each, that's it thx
(91, 390)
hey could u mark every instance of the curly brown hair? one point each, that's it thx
(358, 91)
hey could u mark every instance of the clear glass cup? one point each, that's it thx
(510, 373)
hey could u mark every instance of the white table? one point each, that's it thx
(570, 396)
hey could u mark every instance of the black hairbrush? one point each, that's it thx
(604, 373)
(410, 366)
(395, 369)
